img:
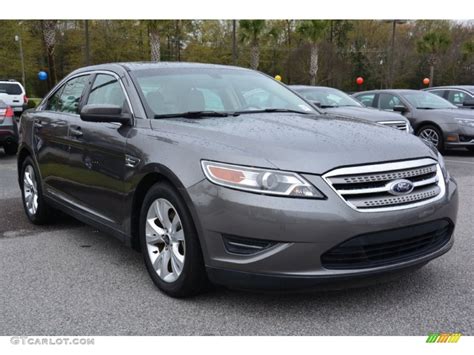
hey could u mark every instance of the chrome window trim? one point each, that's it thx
(386, 167)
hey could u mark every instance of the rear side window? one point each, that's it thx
(367, 99)
(67, 98)
(106, 90)
(10, 89)
(439, 93)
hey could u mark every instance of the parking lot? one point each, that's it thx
(69, 278)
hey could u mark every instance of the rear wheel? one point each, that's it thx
(10, 149)
(170, 244)
(37, 210)
(433, 135)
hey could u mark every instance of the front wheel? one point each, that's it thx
(170, 244)
(433, 135)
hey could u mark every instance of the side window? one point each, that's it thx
(389, 101)
(106, 90)
(366, 99)
(439, 93)
(71, 94)
(54, 102)
(456, 97)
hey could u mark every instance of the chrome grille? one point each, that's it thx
(400, 125)
(367, 188)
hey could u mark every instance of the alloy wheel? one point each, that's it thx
(165, 240)
(30, 190)
(430, 135)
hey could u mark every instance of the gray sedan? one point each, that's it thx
(433, 118)
(338, 103)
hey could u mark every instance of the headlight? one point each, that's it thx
(264, 181)
(465, 122)
(442, 165)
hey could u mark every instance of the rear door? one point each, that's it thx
(50, 136)
(98, 154)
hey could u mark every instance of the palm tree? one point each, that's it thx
(251, 31)
(433, 44)
(154, 38)
(48, 31)
(313, 31)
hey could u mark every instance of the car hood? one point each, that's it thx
(365, 113)
(295, 142)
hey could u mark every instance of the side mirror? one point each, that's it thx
(105, 113)
(316, 103)
(400, 108)
(468, 102)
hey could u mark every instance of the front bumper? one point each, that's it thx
(303, 230)
(458, 136)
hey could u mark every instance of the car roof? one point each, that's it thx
(131, 66)
(469, 88)
(393, 91)
(311, 87)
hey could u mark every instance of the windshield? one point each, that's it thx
(426, 100)
(172, 91)
(328, 97)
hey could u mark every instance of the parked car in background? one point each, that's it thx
(224, 173)
(462, 95)
(433, 118)
(338, 103)
(8, 129)
(14, 95)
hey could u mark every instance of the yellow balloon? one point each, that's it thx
(277, 77)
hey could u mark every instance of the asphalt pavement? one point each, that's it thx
(70, 279)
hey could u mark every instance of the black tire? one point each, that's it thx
(427, 128)
(193, 279)
(43, 213)
(471, 149)
(11, 148)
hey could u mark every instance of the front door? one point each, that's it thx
(97, 153)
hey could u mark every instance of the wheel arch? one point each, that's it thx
(150, 176)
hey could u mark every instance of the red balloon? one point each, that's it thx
(360, 80)
(426, 81)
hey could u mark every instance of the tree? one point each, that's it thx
(48, 30)
(251, 31)
(313, 31)
(154, 38)
(433, 44)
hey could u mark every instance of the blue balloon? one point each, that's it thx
(42, 75)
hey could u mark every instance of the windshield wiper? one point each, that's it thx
(328, 106)
(197, 114)
(425, 108)
(274, 110)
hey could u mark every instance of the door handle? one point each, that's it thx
(38, 124)
(76, 132)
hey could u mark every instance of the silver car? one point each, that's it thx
(223, 174)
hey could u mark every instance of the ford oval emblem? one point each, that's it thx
(400, 187)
